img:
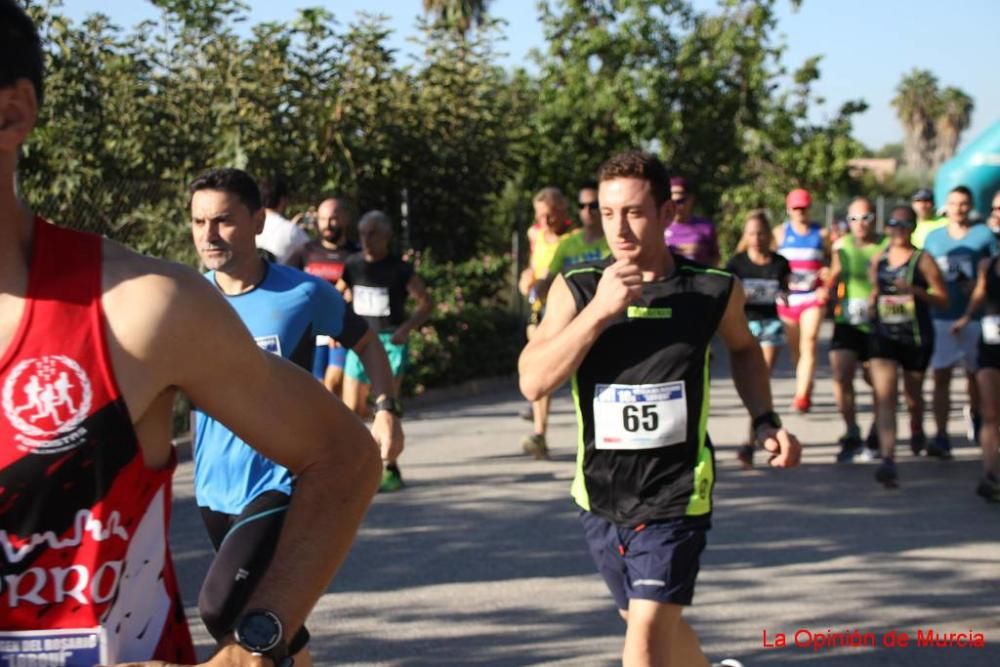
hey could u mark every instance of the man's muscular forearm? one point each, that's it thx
(328, 499)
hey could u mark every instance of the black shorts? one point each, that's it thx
(989, 355)
(850, 337)
(244, 545)
(912, 358)
(656, 561)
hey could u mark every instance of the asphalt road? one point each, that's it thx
(480, 560)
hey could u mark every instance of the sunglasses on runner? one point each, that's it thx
(893, 222)
(592, 205)
(867, 217)
(678, 198)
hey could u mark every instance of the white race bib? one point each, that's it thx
(761, 291)
(802, 281)
(896, 308)
(65, 648)
(639, 416)
(856, 311)
(371, 301)
(991, 329)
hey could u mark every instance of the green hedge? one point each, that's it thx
(475, 331)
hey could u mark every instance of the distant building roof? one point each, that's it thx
(881, 167)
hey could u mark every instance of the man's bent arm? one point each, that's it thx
(280, 410)
(417, 290)
(559, 344)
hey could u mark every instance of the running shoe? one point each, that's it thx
(728, 662)
(940, 448)
(972, 424)
(802, 404)
(918, 442)
(392, 480)
(745, 455)
(988, 489)
(535, 446)
(886, 474)
(867, 455)
(850, 446)
(871, 442)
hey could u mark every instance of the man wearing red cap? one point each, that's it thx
(806, 246)
(688, 236)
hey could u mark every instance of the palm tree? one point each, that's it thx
(459, 14)
(953, 118)
(916, 104)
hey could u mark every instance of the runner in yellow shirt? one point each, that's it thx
(551, 213)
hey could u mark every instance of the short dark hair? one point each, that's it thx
(589, 185)
(907, 212)
(20, 49)
(637, 164)
(962, 190)
(234, 181)
(272, 190)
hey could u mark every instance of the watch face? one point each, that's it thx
(259, 631)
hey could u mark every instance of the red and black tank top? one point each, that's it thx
(86, 571)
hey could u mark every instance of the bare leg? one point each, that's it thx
(805, 369)
(844, 363)
(770, 357)
(884, 383)
(334, 381)
(913, 391)
(657, 636)
(356, 396)
(989, 438)
(792, 333)
(975, 397)
(540, 416)
(942, 399)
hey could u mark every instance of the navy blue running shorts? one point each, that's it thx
(656, 561)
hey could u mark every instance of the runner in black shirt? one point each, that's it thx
(633, 334)
(764, 274)
(378, 285)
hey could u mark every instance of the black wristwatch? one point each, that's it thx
(769, 418)
(260, 632)
(389, 404)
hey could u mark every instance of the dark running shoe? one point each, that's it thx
(850, 446)
(871, 443)
(886, 474)
(940, 448)
(745, 455)
(988, 489)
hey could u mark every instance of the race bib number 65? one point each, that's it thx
(639, 416)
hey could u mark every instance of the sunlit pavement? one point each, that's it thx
(480, 560)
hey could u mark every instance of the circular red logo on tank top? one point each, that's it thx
(46, 399)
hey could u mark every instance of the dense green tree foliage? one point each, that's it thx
(448, 135)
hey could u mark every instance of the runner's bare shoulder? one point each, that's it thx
(159, 316)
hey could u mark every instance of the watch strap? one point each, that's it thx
(769, 418)
(389, 404)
